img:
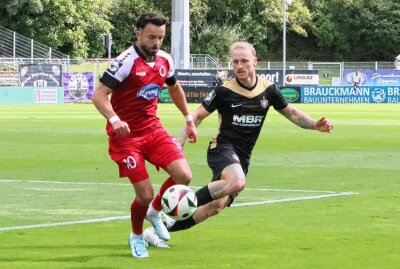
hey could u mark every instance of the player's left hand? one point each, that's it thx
(324, 125)
(191, 131)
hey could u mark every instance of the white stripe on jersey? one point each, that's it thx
(121, 66)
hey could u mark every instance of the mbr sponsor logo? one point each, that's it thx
(247, 120)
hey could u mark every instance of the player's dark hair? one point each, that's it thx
(152, 18)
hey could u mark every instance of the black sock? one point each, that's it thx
(182, 225)
(203, 196)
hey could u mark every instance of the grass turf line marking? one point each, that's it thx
(333, 194)
(107, 219)
(66, 182)
(157, 185)
(289, 190)
(56, 224)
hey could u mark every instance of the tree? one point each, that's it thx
(123, 18)
(333, 30)
(260, 22)
(356, 29)
(216, 40)
(74, 27)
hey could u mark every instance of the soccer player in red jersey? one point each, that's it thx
(134, 80)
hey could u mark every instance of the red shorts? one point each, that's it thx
(130, 153)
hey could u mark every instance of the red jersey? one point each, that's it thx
(136, 85)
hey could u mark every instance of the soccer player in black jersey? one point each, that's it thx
(242, 104)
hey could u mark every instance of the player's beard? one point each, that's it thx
(148, 52)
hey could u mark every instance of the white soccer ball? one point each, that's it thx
(179, 202)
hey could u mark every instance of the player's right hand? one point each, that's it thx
(191, 131)
(121, 128)
(324, 125)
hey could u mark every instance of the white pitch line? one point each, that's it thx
(294, 199)
(66, 182)
(3, 229)
(157, 185)
(288, 190)
(56, 224)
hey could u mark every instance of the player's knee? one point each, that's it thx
(185, 177)
(145, 198)
(148, 199)
(180, 172)
(238, 185)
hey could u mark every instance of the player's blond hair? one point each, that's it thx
(243, 45)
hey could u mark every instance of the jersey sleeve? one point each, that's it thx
(171, 79)
(213, 101)
(277, 99)
(117, 71)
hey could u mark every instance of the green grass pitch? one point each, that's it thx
(313, 200)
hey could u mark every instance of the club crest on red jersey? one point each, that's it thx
(162, 71)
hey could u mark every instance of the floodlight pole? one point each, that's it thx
(107, 42)
(284, 2)
(180, 34)
(109, 36)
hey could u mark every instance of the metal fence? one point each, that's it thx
(10, 66)
(330, 72)
(13, 45)
(69, 65)
(204, 61)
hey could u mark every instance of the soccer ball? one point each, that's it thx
(179, 202)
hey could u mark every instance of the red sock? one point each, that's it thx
(157, 200)
(138, 213)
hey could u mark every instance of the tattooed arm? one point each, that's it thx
(303, 120)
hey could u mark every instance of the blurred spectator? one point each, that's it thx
(220, 78)
(356, 79)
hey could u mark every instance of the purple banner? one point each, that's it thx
(382, 77)
(78, 86)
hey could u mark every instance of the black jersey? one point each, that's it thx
(242, 111)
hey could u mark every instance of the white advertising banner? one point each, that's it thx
(302, 79)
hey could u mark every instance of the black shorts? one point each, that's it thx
(220, 156)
